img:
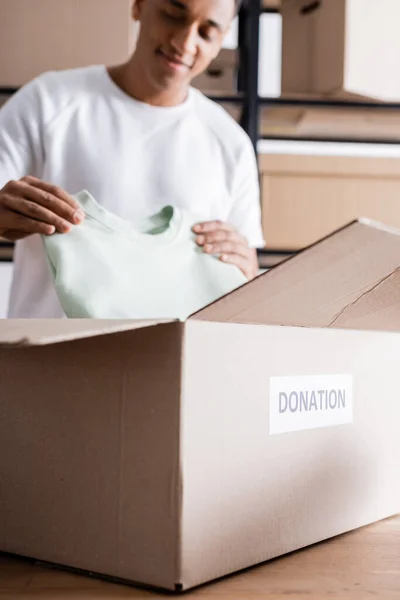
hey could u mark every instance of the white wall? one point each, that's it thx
(269, 71)
(357, 149)
(5, 284)
(231, 39)
(270, 55)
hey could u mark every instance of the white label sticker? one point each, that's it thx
(309, 402)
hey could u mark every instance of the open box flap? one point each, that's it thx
(349, 279)
(39, 332)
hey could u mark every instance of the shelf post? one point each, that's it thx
(249, 24)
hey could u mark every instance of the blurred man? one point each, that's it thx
(138, 137)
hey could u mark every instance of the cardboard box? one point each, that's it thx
(298, 25)
(341, 45)
(305, 197)
(43, 35)
(271, 4)
(300, 122)
(221, 76)
(171, 454)
(331, 123)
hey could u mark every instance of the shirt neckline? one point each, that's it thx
(169, 217)
(144, 106)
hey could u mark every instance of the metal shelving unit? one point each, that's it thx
(253, 104)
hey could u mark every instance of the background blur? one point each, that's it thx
(315, 83)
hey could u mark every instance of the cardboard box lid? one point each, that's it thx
(350, 280)
(40, 332)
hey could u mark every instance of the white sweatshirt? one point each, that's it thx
(79, 130)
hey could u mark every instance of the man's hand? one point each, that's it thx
(223, 239)
(32, 206)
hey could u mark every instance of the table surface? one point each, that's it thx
(359, 565)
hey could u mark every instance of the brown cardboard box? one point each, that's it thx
(221, 76)
(273, 4)
(327, 123)
(323, 124)
(43, 35)
(305, 197)
(341, 45)
(297, 47)
(171, 454)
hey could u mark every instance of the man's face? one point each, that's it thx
(179, 38)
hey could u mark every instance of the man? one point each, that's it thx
(138, 137)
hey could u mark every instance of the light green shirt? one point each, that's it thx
(110, 268)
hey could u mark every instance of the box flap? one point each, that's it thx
(350, 279)
(39, 332)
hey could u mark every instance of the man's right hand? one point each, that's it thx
(31, 206)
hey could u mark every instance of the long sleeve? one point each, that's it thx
(246, 211)
(21, 148)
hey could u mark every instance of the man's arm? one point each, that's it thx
(27, 204)
(237, 239)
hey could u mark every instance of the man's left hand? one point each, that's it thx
(220, 238)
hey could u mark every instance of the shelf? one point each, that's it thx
(221, 99)
(7, 91)
(324, 103)
(267, 259)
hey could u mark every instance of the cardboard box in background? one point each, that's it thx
(43, 35)
(297, 47)
(302, 122)
(341, 46)
(305, 197)
(221, 75)
(171, 454)
(330, 123)
(275, 4)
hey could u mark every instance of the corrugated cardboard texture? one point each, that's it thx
(38, 332)
(89, 453)
(348, 280)
(249, 496)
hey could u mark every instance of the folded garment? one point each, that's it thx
(110, 268)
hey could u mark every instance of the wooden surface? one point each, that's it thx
(360, 565)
